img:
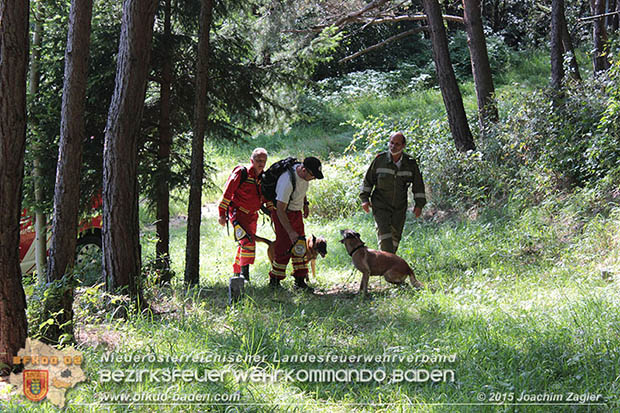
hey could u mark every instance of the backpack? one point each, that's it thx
(244, 177)
(271, 175)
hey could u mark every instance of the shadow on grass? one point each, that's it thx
(498, 353)
(526, 357)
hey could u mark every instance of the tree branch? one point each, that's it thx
(381, 44)
(598, 16)
(372, 21)
(370, 6)
(415, 17)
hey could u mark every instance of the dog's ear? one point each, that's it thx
(357, 235)
(311, 242)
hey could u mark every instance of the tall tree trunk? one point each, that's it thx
(67, 188)
(490, 12)
(40, 219)
(601, 63)
(121, 236)
(567, 44)
(610, 6)
(13, 73)
(192, 255)
(557, 61)
(162, 177)
(483, 78)
(498, 21)
(616, 20)
(447, 80)
(612, 22)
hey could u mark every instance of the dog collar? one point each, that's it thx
(356, 248)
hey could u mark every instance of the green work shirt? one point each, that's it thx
(390, 183)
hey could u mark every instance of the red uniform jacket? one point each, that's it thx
(244, 196)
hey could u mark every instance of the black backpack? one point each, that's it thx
(244, 177)
(271, 175)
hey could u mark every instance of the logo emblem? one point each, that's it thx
(36, 384)
(299, 249)
(239, 231)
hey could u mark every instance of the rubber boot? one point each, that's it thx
(274, 283)
(245, 271)
(300, 284)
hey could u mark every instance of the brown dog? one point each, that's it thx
(314, 247)
(372, 262)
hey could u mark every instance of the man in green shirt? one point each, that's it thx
(385, 191)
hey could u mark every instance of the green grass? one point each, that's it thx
(514, 294)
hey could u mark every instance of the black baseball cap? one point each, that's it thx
(314, 166)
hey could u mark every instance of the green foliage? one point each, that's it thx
(459, 55)
(452, 178)
(533, 150)
(413, 50)
(562, 145)
(367, 83)
(93, 305)
(524, 24)
(605, 151)
(337, 195)
(44, 109)
(45, 308)
(529, 69)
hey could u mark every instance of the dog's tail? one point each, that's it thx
(414, 282)
(263, 240)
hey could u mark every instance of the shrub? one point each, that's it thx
(605, 151)
(534, 149)
(452, 178)
(337, 195)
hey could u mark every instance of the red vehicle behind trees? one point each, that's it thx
(89, 237)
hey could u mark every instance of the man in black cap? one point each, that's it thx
(289, 224)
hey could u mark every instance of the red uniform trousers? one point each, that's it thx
(247, 248)
(282, 246)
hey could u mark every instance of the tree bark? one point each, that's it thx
(40, 218)
(13, 72)
(121, 237)
(162, 177)
(481, 69)
(567, 44)
(67, 188)
(192, 255)
(612, 20)
(447, 80)
(601, 63)
(557, 61)
(494, 14)
(616, 20)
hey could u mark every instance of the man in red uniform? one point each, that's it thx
(288, 219)
(240, 203)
